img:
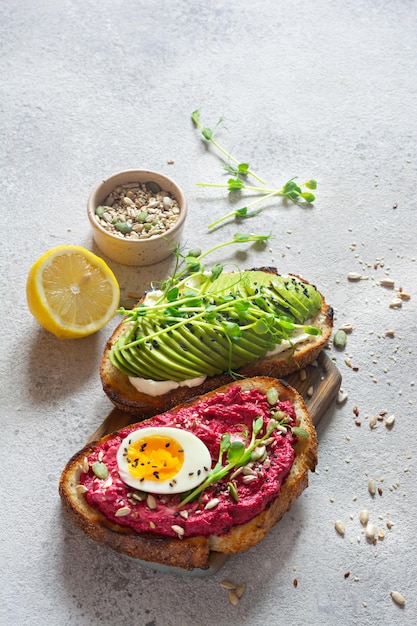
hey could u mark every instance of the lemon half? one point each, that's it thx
(71, 292)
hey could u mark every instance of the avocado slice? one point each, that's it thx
(233, 320)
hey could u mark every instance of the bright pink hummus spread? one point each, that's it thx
(232, 412)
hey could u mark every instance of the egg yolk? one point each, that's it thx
(157, 457)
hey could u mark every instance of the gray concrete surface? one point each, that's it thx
(324, 90)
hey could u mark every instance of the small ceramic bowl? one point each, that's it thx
(137, 251)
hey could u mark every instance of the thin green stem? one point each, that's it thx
(263, 190)
(226, 154)
(248, 206)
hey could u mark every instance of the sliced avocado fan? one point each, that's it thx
(206, 326)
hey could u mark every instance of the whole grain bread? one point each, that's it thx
(126, 397)
(194, 552)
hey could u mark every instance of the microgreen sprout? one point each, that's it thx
(291, 189)
(187, 263)
(242, 168)
(238, 453)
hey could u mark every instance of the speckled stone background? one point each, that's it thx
(324, 90)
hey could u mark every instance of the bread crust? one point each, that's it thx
(126, 397)
(194, 552)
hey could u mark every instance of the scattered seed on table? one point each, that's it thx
(340, 339)
(227, 584)
(370, 531)
(371, 486)
(233, 599)
(364, 516)
(342, 396)
(387, 282)
(396, 303)
(347, 328)
(354, 276)
(398, 598)
(340, 527)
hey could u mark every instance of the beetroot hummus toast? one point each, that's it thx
(209, 476)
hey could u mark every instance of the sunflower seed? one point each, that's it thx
(178, 530)
(398, 598)
(396, 303)
(151, 501)
(387, 282)
(81, 489)
(211, 504)
(354, 277)
(370, 531)
(124, 510)
(389, 421)
(227, 584)
(364, 517)
(340, 527)
(233, 599)
(249, 479)
(302, 375)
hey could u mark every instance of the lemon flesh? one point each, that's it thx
(71, 292)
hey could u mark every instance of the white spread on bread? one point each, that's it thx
(159, 387)
(156, 388)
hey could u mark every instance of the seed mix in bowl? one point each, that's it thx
(138, 211)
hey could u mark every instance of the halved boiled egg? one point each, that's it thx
(161, 459)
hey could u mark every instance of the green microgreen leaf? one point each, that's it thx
(312, 330)
(308, 197)
(258, 425)
(194, 252)
(172, 294)
(260, 327)
(225, 442)
(232, 330)
(235, 183)
(290, 190)
(311, 184)
(236, 451)
(216, 271)
(242, 306)
(238, 455)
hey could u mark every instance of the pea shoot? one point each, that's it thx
(291, 189)
(239, 453)
(187, 263)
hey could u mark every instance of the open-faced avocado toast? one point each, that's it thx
(209, 329)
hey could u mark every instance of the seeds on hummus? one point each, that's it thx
(138, 211)
(124, 510)
(178, 530)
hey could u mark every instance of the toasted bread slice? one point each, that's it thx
(126, 397)
(194, 552)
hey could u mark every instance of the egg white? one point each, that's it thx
(197, 461)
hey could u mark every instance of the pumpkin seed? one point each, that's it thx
(100, 469)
